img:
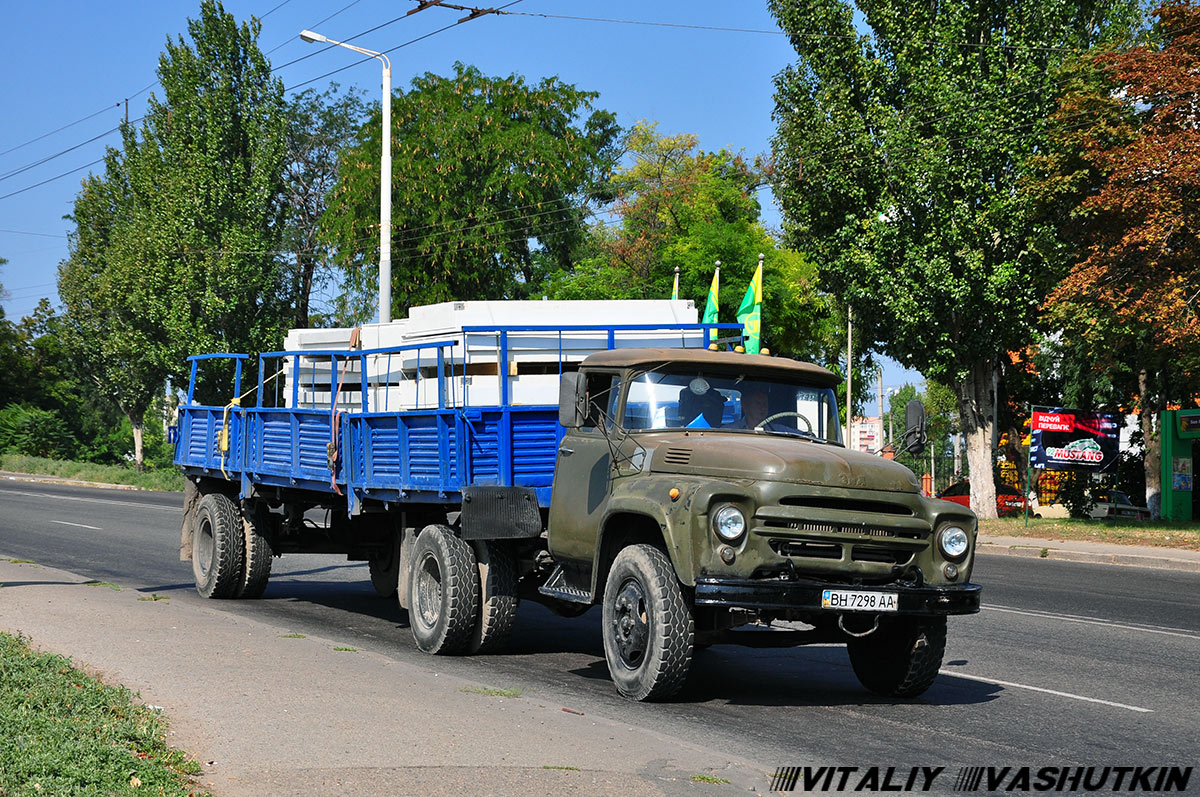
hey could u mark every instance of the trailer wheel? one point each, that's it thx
(648, 628)
(257, 571)
(218, 543)
(443, 598)
(498, 598)
(901, 658)
(385, 570)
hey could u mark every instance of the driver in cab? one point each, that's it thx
(756, 408)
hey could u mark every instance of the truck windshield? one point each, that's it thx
(676, 400)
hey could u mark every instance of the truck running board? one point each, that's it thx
(557, 586)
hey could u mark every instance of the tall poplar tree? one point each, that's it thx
(176, 246)
(897, 158)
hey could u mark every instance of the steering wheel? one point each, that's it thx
(769, 418)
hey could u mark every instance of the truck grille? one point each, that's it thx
(865, 535)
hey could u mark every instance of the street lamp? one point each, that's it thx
(385, 174)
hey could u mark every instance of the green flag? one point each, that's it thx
(675, 288)
(749, 314)
(710, 309)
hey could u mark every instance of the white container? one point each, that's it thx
(473, 360)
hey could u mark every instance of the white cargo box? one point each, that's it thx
(481, 341)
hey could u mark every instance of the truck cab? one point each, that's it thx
(698, 491)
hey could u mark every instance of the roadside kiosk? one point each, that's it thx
(1179, 429)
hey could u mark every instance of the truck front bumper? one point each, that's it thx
(761, 594)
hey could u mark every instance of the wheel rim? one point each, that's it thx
(206, 544)
(631, 624)
(429, 591)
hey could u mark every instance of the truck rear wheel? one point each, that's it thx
(257, 570)
(902, 657)
(218, 544)
(443, 598)
(647, 626)
(385, 570)
(498, 599)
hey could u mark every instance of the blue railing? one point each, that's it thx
(389, 454)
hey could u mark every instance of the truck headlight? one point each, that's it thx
(953, 542)
(729, 523)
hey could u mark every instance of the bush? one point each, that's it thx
(1076, 494)
(35, 432)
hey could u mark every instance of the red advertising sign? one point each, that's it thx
(1053, 422)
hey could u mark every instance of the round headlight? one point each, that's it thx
(954, 542)
(729, 523)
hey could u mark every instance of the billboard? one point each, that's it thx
(1066, 439)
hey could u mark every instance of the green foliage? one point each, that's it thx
(176, 246)
(678, 206)
(33, 431)
(62, 732)
(1076, 495)
(320, 125)
(897, 163)
(482, 167)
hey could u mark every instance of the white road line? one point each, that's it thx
(77, 525)
(997, 682)
(1074, 618)
(175, 510)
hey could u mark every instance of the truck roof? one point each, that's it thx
(779, 367)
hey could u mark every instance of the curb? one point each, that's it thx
(1092, 557)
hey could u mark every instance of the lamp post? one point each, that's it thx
(385, 175)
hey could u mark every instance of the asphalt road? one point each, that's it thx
(1068, 664)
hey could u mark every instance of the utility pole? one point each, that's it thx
(849, 374)
(880, 448)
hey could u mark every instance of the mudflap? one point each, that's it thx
(191, 499)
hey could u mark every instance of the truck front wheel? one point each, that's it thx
(218, 546)
(647, 626)
(902, 657)
(443, 597)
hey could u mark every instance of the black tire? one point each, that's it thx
(443, 592)
(258, 554)
(385, 570)
(647, 627)
(218, 544)
(498, 599)
(902, 657)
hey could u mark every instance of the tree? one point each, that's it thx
(488, 171)
(319, 127)
(1123, 187)
(176, 249)
(897, 157)
(678, 206)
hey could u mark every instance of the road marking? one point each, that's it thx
(1076, 618)
(77, 525)
(92, 500)
(997, 682)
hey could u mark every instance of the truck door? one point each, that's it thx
(582, 477)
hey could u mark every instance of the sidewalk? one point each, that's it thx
(48, 479)
(265, 714)
(1094, 552)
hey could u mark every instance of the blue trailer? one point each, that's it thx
(645, 485)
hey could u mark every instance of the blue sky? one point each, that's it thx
(64, 61)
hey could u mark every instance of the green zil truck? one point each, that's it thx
(699, 497)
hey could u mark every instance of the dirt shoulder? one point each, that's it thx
(266, 713)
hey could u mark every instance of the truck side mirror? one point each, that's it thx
(914, 424)
(572, 399)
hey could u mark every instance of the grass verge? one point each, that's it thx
(62, 732)
(1159, 534)
(166, 479)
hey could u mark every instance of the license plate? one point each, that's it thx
(850, 600)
